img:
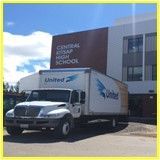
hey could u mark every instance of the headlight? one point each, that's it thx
(56, 115)
(10, 113)
(50, 115)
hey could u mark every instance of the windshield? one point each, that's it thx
(49, 95)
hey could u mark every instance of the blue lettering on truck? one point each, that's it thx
(54, 79)
(105, 93)
(71, 78)
(61, 80)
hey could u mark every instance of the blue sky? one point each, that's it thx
(62, 18)
(28, 30)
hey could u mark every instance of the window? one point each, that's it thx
(50, 95)
(151, 42)
(151, 72)
(75, 97)
(154, 72)
(134, 73)
(135, 44)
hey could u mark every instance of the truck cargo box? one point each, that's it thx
(104, 94)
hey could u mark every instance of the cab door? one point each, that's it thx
(75, 104)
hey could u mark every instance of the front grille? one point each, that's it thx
(33, 111)
(19, 111)
(42, 122)
(24, 122)
(25, 111)
(9, 121)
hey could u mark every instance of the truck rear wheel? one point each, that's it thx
(14, 131)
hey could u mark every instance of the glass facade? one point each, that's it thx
(150, 56)
(133, 57)
(151, 42)
(135, 45)
(134, 73)
(154, 72)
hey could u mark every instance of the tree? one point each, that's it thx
(12, 90)
(16, 87)
(6, 87)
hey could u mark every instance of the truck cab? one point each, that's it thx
(46, 108)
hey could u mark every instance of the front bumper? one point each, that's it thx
(31, 123)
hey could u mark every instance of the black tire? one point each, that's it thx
(14, 131)
(64, 127)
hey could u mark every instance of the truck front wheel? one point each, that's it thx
(64, 127)
(14, 131)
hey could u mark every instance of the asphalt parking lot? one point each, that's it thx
(132, 139)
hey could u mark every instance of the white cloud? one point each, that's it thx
(21, 49)
(10, 23)
(41, 67)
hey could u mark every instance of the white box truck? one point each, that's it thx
(65, 97)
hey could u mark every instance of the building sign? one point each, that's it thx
(80, 49)
(64, 54)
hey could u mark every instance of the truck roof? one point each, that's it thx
(65, 70)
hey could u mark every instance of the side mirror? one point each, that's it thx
(83, 95)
